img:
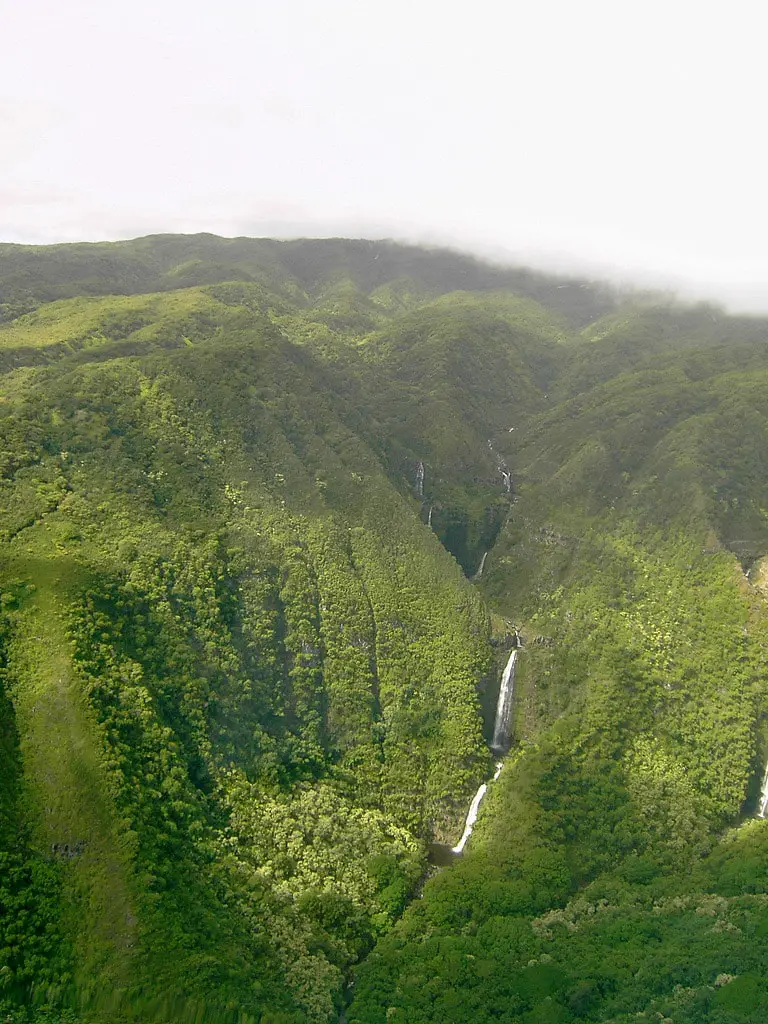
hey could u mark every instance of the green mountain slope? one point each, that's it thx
(249, 660)
(598, 885)
(240, 612)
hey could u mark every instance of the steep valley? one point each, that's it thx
(274, 517)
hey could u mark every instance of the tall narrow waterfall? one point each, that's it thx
(764, 796)
(500, 743)
(429, 517)
(479, 572)
(420, 479)
(504, 705)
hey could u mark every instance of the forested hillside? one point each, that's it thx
(272, 516)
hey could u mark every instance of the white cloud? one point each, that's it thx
(625, 135)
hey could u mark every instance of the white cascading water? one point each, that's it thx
(500, 742)
(479, 572)
(504, 705)
(506, 476)
(764, 796)
(429, 517)
(420, 479)
(471, 819)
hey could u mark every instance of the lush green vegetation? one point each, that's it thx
(245, 677)
(602, 882)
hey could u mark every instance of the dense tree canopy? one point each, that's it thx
(248, 662)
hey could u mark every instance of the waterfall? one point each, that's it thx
(420, 479)
(764, 795)
(429, 517)
(500, 743)
(479, 572)
(474, 807)
(503, 469)
(504, 705)
(471, 819)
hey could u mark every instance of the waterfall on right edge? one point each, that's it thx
(504, 706)
(764, 796)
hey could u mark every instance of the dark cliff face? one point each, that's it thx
(245, 670)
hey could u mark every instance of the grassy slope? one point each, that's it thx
(68, 800)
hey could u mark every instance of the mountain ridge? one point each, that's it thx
(161, 262)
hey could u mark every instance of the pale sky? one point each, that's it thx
(626, 137)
